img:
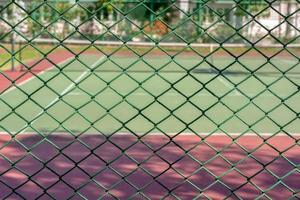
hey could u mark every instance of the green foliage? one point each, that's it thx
(97, 9)
(250, 6)
(162, 8)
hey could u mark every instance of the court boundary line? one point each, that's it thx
(35, 75)
(229, 86)
(64, 133)
(172, 94)
(65, 91)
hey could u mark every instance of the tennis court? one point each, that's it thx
(149, 99)
(111, 92)
(126, 123)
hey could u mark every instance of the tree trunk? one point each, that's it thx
(288, 27)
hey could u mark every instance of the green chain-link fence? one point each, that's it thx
(149, 99)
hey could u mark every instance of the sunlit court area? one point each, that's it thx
(149, 99)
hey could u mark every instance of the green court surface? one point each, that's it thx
(93, 94)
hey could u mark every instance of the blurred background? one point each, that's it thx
(189, 21)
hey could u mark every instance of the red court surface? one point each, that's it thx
(93, 166)
(18, 76)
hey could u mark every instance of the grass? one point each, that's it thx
(25, 55)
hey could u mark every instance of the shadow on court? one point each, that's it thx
(121, 166)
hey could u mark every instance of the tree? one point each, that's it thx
(242, 14)
(290, 7)
(65, 15)
(92, 17)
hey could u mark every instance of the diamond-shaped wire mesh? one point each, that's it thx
(149, 99)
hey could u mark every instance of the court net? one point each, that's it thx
(136, 57)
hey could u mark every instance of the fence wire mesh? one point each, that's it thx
(149, 99)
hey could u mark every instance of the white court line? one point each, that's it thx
(236, 92)
(162, 134)
(137, 94)
(34, 76)
(65, 91)
(220, 78)
(168, 94)
(214, 134)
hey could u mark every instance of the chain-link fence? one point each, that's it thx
(149, 99)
